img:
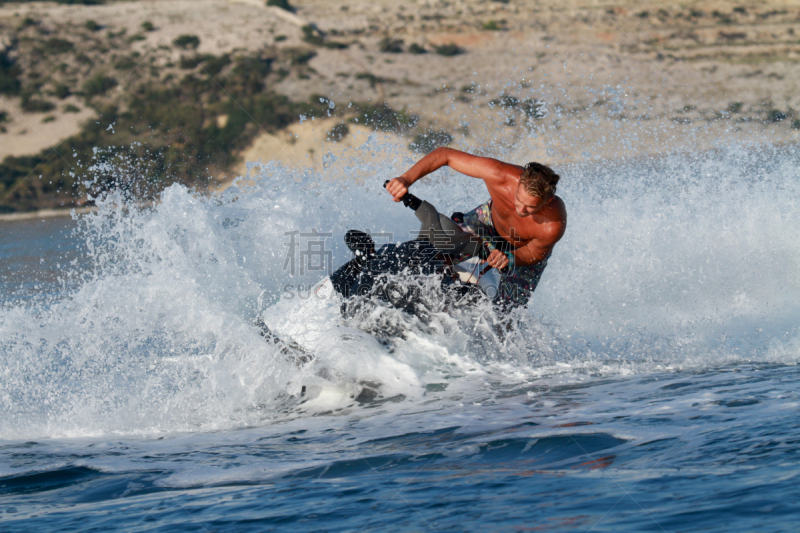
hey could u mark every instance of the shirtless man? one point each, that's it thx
(523, 220)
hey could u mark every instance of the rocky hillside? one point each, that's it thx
(177, 90)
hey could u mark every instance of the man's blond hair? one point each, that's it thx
(539, 180)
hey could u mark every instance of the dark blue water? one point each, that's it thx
(36, 256)
(714, 451)
(651, 386)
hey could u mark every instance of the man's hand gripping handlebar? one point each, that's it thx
(397, 187)
(494, 258)
(400, 192)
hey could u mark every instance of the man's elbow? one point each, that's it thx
(443, 153)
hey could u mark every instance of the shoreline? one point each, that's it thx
(44, 213)
(224, 184)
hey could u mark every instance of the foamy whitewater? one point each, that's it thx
(651, 384)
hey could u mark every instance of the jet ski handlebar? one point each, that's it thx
(433, 222)
(408, 199)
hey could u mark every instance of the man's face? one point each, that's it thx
(525, 203)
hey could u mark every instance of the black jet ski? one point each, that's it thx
(443, 267)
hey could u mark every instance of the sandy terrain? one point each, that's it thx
(309, 145)
(619, 78)
(28, 133)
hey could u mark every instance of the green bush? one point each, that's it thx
(415, 48)
(92, 25)
(280, 38)
(774, 116)
(124, 63)
(536, 109)
(187, 42)
(98, 84)
(312, 35)
(247, 76)
(84, 2)
(491, 25)
(381, 117)
(448, 50)
(300, 56)
(4, 117)
(54, 46)
(505, 101)
(188, 63)
(283, 4)
(338, 132)
(215, 64)
(371, 78)
(796, 124)
(212, 64)
(48, 118)
(735, 107)
(724, 18)
(61, 91)
(388, 45)
(148, 26)
(9, 75)
(83, 59)
(36, 105)
(69, 108)
(429, 141)
(112, 35)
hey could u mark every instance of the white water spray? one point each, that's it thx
(679, 262)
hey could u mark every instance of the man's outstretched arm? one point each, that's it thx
(484, 168)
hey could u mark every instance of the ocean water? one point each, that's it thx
(652, 385)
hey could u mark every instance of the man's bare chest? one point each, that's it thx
(516, 230)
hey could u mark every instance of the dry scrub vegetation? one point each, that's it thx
(179, 90)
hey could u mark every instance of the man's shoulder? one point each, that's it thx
(555, 223)
(557, 210)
